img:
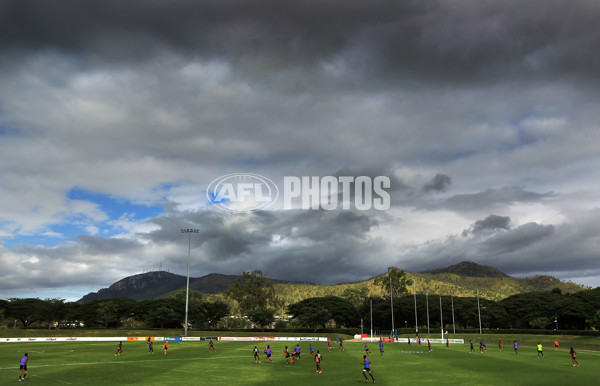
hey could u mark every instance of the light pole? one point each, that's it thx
(479, 312)
(453, 325)
(189, 232)
(427, 301)
(415, 294)
(371, 305)
(441, 318)
(391, 299)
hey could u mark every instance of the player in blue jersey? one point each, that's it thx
(23, 367)
(516, 348)
(381, 348)
(268, 353)
(367, 369)
(367, 349)
(297, 351)
(312, 351)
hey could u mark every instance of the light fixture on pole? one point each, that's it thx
(189, 232)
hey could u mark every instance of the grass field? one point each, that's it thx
(189, 363)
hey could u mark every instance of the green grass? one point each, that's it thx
(190, 363)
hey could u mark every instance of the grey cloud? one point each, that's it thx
(492, 198)
(439, 183)
(106, 246)
(490, 223)
(519, 238)
(438, 42)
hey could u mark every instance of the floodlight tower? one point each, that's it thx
(391, 299)
(189, 232)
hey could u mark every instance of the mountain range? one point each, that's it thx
(462, 279)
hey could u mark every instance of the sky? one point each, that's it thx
(115, 116)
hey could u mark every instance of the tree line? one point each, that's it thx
(253, 302)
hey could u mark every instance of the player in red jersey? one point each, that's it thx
(119, 349)
(318, 360)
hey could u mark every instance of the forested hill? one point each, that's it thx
(470, 269)
(159, 284)
(463, 279)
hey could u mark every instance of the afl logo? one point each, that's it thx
(242, 192)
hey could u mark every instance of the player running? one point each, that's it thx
(329, 347)
(472, 349)
(312, 351)
(367, 369)
(297, 351)
(211, 346)
(23, 367)
(367, 349)
(381, 348)
(516, 348)
(268, 353)
(341, 345)
(166, 347)
(429, 345)
(119, 349)
(556, 345)
(150, 347)
(288, 357)
(540, 350)
(572, 352)
(318, 360)
(484, 345)
(500, 344)
(256, 356)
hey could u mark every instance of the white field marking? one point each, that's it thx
(123, 362)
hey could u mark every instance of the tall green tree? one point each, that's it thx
(253, 290)
(26, 311)
(399, 279)
(262, 316)
(313, 311)
(215, 311)
(356, 296)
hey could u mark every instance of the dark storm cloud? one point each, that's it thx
(286, 244)
(433, 41)
(492, 198)
(519, 238)
(439, 183)
(490, 223)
